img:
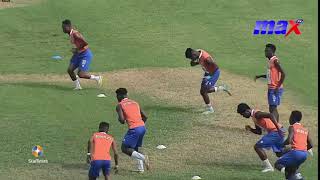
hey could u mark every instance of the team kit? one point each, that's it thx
(292, 151)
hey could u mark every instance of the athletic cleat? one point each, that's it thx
(267, 169)
(138, 171)
(147, 162)
(77, 88)
(208, 112)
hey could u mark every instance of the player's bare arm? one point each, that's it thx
(121, 118)
(290, 136)
(257, 130)
(115, 155)
(260, 76)
(283, 75)
(143, 115)
(90, 145)
(194, 63)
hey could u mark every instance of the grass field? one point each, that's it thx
(140, 45)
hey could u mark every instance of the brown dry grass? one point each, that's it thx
(213, 139)
(17, 3)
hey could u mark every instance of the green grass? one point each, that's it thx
(136, 34)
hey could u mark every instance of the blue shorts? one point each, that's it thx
(82, 60)
(97, 165)
(134, 137)
(209, 81)
(293, 158)
(274, 98)
(271, 140)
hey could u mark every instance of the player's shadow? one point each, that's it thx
(40, 85)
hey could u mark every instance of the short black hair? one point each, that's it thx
(188, 52)
(242, 107)
(296, 116)
(103, 126)
(121, 91)
(271, 46)
(66, 22)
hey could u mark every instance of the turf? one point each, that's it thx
(137, 34)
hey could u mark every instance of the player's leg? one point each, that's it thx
(266, 142)
(72, 67)
(274, 98)
(85, 61)
(106, 168)
(141, 132)
(94, 171)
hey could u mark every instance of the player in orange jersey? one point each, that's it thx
(273, 139)
(211, 75)
(300, 141)
(81, 58)
(98, 154)
(129, 112)
(275, 76)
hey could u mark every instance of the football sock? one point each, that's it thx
(137, 155)
(283, 170)
(140, 165)
(93, 77)
(77, 83)
(267, 163)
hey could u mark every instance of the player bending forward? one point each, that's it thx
(300, 142)
(98, 155)
(274, 137)
(129, 112)
(81, 58)
(211, 75)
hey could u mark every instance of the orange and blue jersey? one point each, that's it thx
(81, 59)
(264, 123)
(78, 40)
(100, 154)
(134, 136)
(298, 154)
(272, 140)
(300, 137)
(273, 74)
(101, 146)
(203, 61)
(132, 113)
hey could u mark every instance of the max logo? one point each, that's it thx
(279, 28)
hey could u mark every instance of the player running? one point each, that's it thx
(99, 152)
(130, 112)
(274, 137)
(275, 76)
(300, 142)
(81, 58)
(211, 75)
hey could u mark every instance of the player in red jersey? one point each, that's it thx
(274, 137)
(300, 141)
(98, 154)
(211, 75)
(81, 58)
(275, 76)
